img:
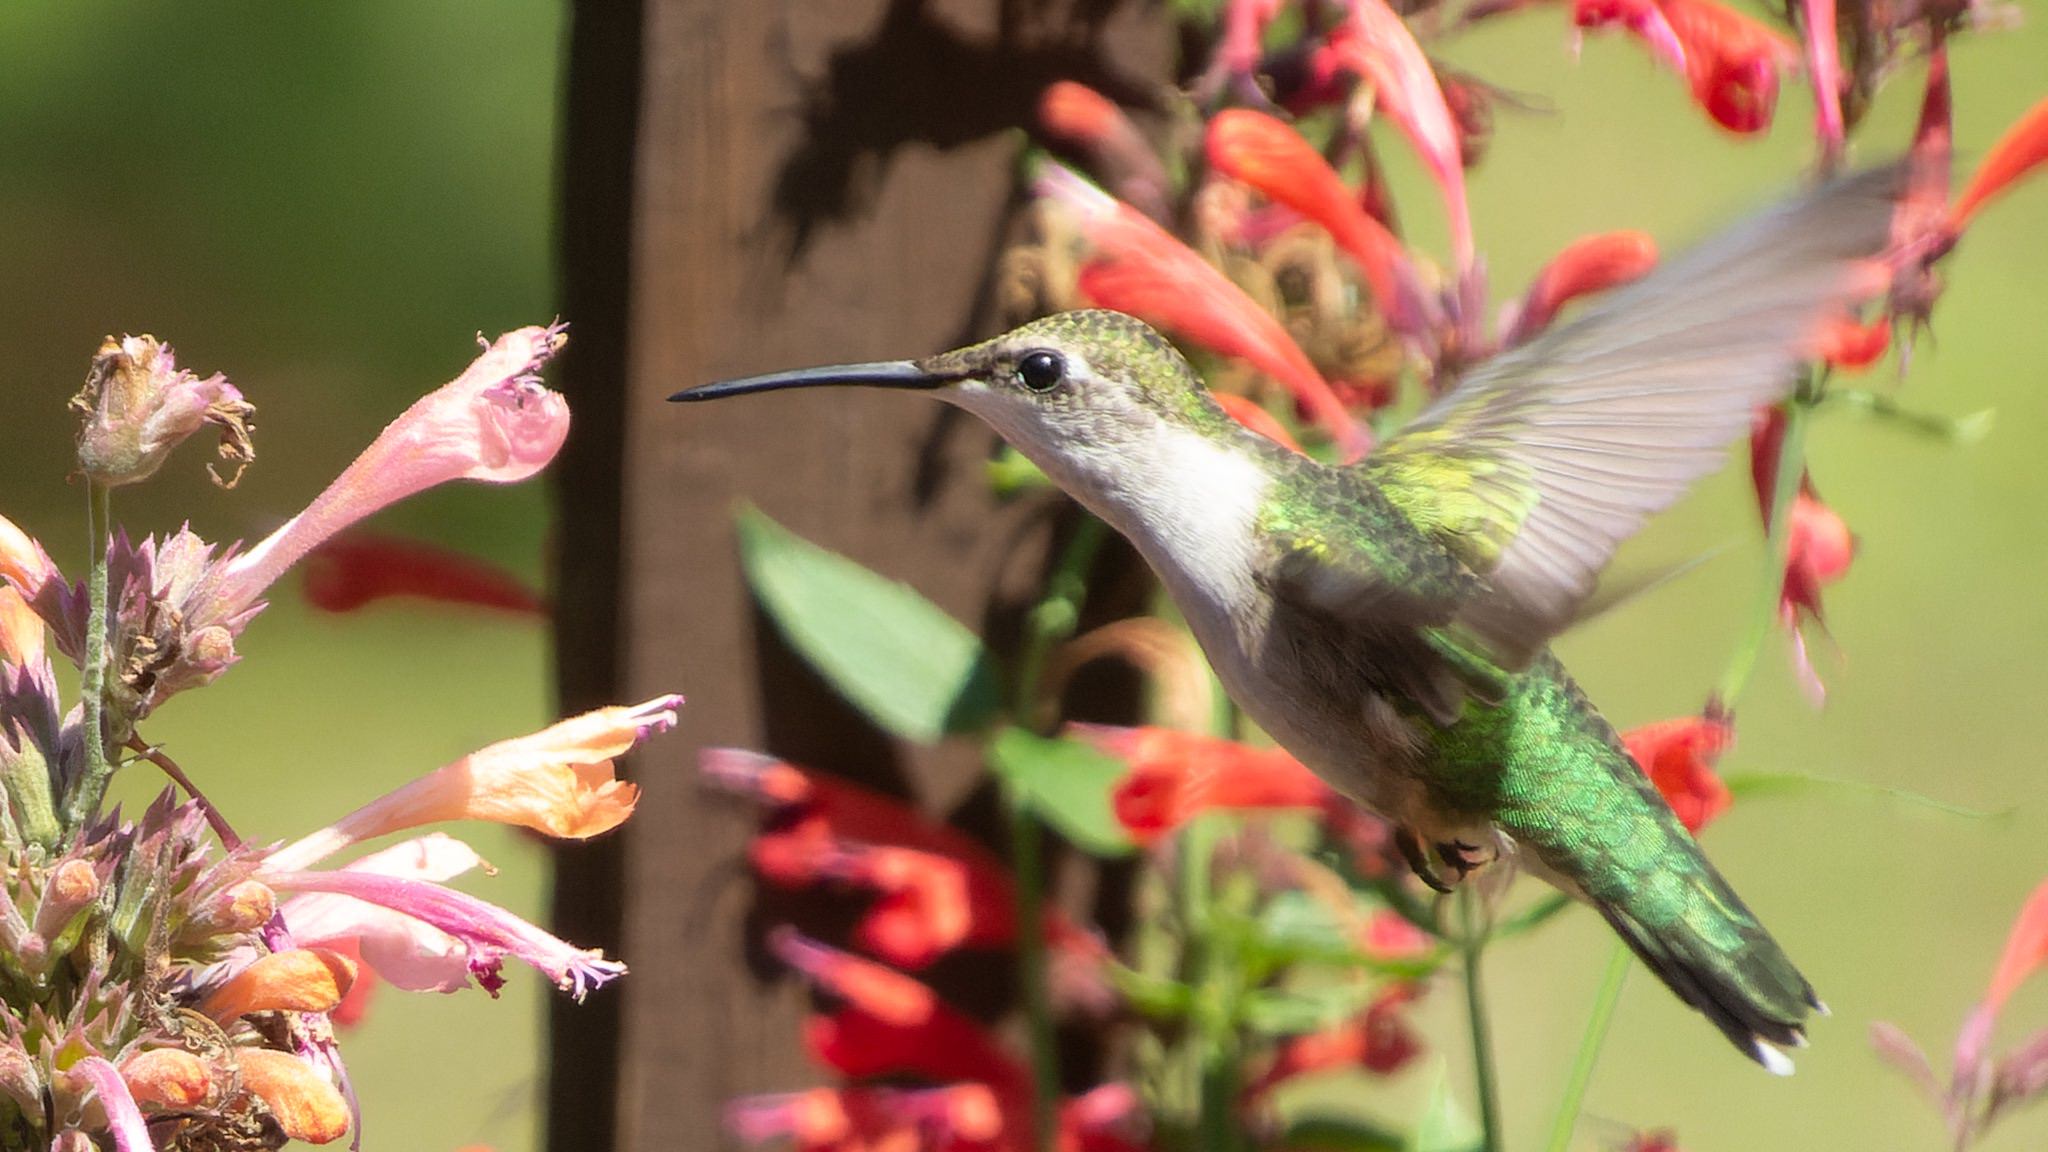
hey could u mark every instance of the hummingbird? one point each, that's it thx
(1388, 621)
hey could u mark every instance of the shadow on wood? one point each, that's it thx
(748, 186)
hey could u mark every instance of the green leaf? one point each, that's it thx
(1443, 1126)
(1533, 916)
(1296, 1012)
(1067, 784)
(1331, 1133)
(893, 654)
(1760, 784)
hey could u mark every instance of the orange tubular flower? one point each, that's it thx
(1850, 346)
(1255, 149)
(1679, 757)
(1587, 265)
(2023, 148)
(557, 781)
(1140, 268)
(360, 568)
(1176, 776)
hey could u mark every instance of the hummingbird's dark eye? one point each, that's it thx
(1041, 371)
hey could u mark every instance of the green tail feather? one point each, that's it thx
(1569, 794)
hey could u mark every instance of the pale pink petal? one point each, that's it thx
(496, 422)
(405, 951)
(490, 931)
(130, 1134)
(1824, 65)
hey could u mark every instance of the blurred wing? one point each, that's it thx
(1547, 457)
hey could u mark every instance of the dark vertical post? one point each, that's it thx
(748, 186)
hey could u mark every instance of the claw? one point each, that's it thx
(1410, 846)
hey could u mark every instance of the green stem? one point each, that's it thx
(1026, 854)
(1214, 1056)
(84, 801)
(1791, 466)
(1575, 1086)
(1052, 620)
(1473, 942)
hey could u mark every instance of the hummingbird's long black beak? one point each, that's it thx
(880, 374)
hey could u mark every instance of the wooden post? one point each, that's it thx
(747, 186)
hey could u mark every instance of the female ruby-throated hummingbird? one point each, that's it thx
(1388, 622)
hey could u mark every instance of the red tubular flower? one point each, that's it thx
(1176, 776)
(1379, 1040)
(1374, 45)
(2026, 950)
(1255, 149)
(1587, 265)
(1652, 1140)
(860, 1118)
(1140, 268)
(1246, 412)
(1679, 756)
(1732, 62)
(889, 1024)
(940, 889)
(1391, 936)
(1818, 550)
(1921, 228)
(2023, 148)
(359, 568)
(1090, 123)
(1849, 345)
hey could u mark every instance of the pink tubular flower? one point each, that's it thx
(1176, 776)
(1818, 550)
(1373, 44)
(1587, 265)
(489, 932)
(123, 1117)
(1679, 756)
(1142, 269)
(407, 952)
(360, 568)
(496, 422)
(2026, 951)
(1255, 149)
(557, 781)
(1824, 66)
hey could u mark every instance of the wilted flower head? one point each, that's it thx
(137, 405)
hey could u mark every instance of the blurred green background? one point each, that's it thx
(327, 201)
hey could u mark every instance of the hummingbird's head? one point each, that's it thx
(1079, 393)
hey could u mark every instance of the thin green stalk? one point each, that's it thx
(1473, 942)
(1045, 1067)
(1213, 978)
(1052, 620)
(84, 800)
(1791, 466)
(1581, 1076)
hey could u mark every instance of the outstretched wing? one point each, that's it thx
(1537, 467)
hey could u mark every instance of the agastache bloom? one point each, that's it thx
(496, 422)
(558, 781)
(1140, 268)
(356, 569)
(404, 951)
(1679, 757)
(138, 405)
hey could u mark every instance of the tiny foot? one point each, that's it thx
(1463, 858)
(1410, 845)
